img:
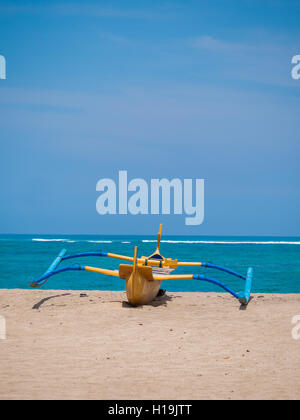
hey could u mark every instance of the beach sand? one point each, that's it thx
(61, 345)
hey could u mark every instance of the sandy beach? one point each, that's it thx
(93, 345)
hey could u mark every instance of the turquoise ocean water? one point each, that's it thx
(276, 260)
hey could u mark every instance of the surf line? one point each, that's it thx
(185, 192)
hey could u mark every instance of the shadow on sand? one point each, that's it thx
(40, 303)
(158, 301)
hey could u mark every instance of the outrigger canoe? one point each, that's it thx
(143, 277)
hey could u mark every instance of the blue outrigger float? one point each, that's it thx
(144, 276)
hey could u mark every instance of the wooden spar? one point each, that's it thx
(114, 273)
(158, 239)
(134, 259)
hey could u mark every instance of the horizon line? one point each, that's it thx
(154, 235)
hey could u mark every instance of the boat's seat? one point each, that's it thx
(162, 271)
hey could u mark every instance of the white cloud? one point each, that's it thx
(207, 42)
(116, 38)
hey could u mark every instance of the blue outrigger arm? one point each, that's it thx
(61, 256)
(50, 270)
(243, 297)
(57, 261)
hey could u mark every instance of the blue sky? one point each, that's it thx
(189, 89)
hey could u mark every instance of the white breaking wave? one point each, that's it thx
(51, 240)
(229, 242)
(100, 242)
(176, 242)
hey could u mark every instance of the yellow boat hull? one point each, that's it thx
(141, 288)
